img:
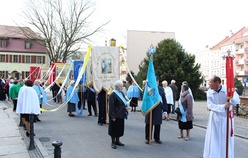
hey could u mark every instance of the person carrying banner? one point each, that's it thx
(102, 99)
(215, 139)
(133, 93)
(91, 100)
(73, 100)
(118, 111)
(156, 116)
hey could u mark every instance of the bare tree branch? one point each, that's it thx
(63, 24)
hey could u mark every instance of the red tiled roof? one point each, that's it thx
(17, 32)
(16, 38)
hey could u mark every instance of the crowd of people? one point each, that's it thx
(28, 97)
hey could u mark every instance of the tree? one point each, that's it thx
(172, 62)
(64, 25)
(239, 86)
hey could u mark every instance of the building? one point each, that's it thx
(20, 48)
(213, 60)
(138, 43)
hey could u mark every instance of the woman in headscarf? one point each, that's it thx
(186, 107)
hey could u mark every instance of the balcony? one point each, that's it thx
(242, 73)
(240, 51)
(240, 62)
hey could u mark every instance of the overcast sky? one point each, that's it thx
(196, 23)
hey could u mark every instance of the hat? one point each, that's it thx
(72, 82)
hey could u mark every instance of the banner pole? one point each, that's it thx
(150, 128)
(106, 106)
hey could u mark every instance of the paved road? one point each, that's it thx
(83, 137)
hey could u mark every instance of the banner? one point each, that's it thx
(151, 97)
(34, 73)
(89, 78)
(77, 66)
(229, 77)
(105, 67)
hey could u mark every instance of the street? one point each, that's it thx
(83, 137)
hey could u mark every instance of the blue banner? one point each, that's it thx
(151, 97)
(77, 65)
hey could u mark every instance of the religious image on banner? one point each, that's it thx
(105, 67)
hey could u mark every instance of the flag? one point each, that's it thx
(229, 77)
(105, 67)
(151, 97)
(77, 66)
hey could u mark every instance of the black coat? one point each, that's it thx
(158, 110)
(117, 109)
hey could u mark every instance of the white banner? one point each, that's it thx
(105, 67)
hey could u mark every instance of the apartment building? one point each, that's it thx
(20, 48)
(237, 45)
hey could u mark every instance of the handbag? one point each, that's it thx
(177, 110)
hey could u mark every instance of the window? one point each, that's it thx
(26, 73)
(27, 59)
(2, 58)
(27, 44)
(3, 43)
(15, 58)
(39, 59)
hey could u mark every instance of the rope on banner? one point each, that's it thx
(66, 79)
(76, 84)
(56, 77)
(31, 73)
(50, 75)
(125, 61)
(48, 71)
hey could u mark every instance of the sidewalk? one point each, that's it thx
(14, 143)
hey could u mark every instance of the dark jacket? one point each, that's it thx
(158, 110)
(175, 92)
(91, 96)
(117, 108)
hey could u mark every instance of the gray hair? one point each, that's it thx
(118, 83)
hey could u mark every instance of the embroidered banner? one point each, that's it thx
(105, 67)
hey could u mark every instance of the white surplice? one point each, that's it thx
(28, 102)
(215, 140)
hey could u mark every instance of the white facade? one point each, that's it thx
(138, 43)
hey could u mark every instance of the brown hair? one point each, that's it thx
(29, 83)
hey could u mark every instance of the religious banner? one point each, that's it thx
(151, 97)
(34, 73)
(105, 67)
(77, 66)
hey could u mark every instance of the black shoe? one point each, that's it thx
(38, 120)
(90, 115)
(119, 143)
(27, 134)
(113, 146)
(71, 115)
(84, 108)
(147, 141)
(100, 124)
(158, 141)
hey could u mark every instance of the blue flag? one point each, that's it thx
(77, 66)
(151, 97)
